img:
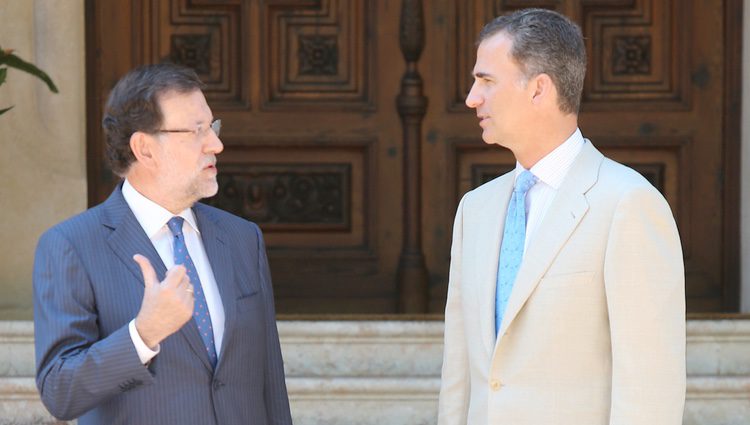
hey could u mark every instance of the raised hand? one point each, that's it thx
(166, 306)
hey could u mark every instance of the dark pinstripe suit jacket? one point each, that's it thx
(87, 288)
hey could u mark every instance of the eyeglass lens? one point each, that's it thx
(216, 127)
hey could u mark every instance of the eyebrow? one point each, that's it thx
(482, 75)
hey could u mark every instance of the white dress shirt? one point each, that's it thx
(551, 171)
(153, 219)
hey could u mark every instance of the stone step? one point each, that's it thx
(362, 348)
(407, 401)
(383, 348)
(375, 372)
(394, 348)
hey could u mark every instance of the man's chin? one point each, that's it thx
(208, 190)
(487, 136)
(489, 139)
(210, 194)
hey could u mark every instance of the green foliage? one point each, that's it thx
(9, 60)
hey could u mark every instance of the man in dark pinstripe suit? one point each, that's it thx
(130, 328)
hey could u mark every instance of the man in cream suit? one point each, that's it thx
(566, 295)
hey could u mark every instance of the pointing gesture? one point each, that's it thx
(166, 306)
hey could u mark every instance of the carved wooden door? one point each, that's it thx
(347, 182)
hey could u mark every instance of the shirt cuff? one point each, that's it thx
(144, 353)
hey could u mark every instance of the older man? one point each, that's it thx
(152, 308)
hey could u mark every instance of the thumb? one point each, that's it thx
(149, 275)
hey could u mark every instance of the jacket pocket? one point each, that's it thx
(248, 302)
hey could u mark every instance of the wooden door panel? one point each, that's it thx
(205, 36)
(317, 55)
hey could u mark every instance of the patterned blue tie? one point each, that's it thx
(511, 249)
(200, 311)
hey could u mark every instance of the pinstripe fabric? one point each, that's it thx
(86, 290)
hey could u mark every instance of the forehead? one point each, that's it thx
(191, 106)
(494, 51)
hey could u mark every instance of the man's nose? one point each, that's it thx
(473, 99)
(214, 144)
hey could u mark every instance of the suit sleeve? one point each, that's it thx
(275, 393)
(454, 385)
(645, 287)
(76, 369)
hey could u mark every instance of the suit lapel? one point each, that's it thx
(127, 237)
(220, 258)
(561, 219)
(490, 224)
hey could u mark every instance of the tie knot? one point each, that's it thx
(524, 182)
(175, 225)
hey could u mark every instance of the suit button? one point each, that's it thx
(218, 384)
(495, 384)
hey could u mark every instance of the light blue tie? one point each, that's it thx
(511, 249)
(200, 311)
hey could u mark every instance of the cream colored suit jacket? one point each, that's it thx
(594, 331)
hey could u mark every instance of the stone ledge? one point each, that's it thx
(22, 331)
(331, 389)
(20, 403)
(16, 348)
(352, 331)
(347, 348)
(697, 387)
(16, 331)
(405, 401)
(719, 387)
(18, 389)
(718, 348)
(718, 330)
(361, 349)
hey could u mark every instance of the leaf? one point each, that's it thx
(2, 111)
(14, 61)
(3, 73)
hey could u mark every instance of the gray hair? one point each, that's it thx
(546, 42)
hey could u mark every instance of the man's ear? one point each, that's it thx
(543, 89)
(142, 145)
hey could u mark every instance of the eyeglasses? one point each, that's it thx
(215, 127)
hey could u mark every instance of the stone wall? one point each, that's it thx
(388, 372)
(43, 139)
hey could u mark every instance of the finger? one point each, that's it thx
(175, 276)
(149, 275)
(190, 301)
(184, 281)
(186, 294)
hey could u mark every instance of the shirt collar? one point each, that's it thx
(150, 215)
(554, 166)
